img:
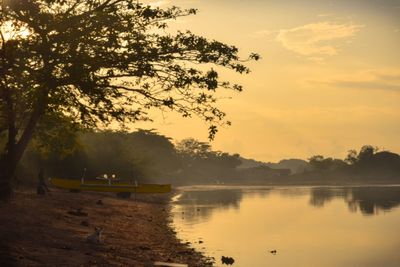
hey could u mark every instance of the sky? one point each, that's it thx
(328, 81)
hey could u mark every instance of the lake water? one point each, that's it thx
(307, 226)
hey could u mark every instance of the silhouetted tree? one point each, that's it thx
(319, 163)
(192, 148)
(366, 152)
(201, 164)
(55, 139)
(226, 160)
(154, 156)
(316, 162)
(351, 157)
(98, 61)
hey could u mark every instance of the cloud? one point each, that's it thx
(317, 39)
(325, 15)
(371, 79)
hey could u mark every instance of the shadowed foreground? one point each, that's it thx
(40, 231)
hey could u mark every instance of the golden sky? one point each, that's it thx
(328, 81)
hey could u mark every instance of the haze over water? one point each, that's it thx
(308, 226)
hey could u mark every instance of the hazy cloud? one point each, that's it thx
(371, 79)
(325, 15)
(317, 39)
(367, 85)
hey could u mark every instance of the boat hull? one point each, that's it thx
(104, 186)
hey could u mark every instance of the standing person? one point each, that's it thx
(42, 186)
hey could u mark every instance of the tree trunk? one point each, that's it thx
(9, 161)
(8, 166)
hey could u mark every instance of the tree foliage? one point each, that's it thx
(192, 148)
(140, 155)
(366, 152)
(319, 163)
(98, 61)
(202, 164)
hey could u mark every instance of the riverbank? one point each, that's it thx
(51, 230)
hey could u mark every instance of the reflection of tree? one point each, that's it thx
(260, 193)
(369, 200)
(320, 196)
(291, 192)
(200, 204)
(218, 198)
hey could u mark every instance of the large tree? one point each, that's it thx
(98, 61)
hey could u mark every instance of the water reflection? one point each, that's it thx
(219, 198)
(307, 226)
(367, 200)
(320, 196)
(199, 204)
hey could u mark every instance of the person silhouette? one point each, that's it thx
(42, 186)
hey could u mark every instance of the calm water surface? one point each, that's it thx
(307, 226)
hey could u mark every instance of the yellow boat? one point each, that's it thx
(104, 185)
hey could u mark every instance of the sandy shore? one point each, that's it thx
(46, 231)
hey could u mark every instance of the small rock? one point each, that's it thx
(78, 212)
(201, 242)
(74, 190)
(227, 260)
(66, 247)
(96, 237)
(99, 202)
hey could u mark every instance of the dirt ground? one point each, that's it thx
(48, 231)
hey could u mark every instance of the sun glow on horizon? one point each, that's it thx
(328, 81)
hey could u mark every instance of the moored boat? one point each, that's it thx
(110, 186)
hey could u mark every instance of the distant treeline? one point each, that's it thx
(143, 155)
(369, 164)
(147, 156)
